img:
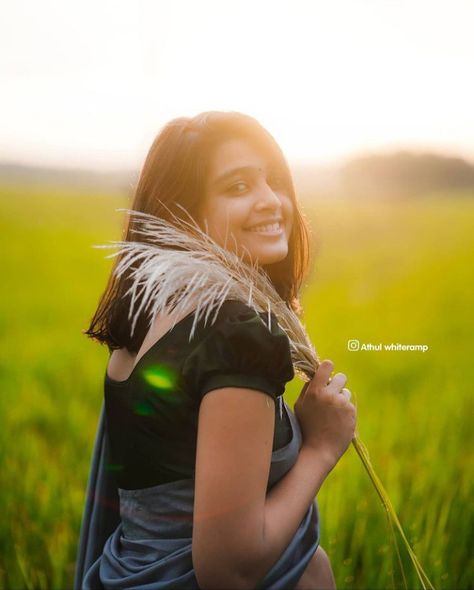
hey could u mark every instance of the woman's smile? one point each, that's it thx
(271, 229)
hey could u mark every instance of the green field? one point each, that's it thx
(387, 271)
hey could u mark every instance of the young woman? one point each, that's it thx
(203, 483)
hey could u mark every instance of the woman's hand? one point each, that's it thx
(326, 416)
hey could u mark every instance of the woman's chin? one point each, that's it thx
(265, 258)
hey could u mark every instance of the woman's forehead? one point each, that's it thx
(237, 156)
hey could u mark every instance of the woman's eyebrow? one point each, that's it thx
(234, 171)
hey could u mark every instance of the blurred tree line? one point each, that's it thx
(405, 173)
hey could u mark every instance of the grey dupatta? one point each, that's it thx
(101, 514)
(141, 539)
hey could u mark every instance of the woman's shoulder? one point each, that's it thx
(241, 343)
(238, 321)
(240, 313)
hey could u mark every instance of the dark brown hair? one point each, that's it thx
(174, 172)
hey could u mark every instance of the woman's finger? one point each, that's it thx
(337, 383)
(346, 393)
(322, 375)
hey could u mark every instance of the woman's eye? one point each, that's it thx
(234, 187)
(276, 181)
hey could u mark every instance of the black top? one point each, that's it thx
(152, 416)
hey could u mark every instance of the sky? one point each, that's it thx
(90, 83)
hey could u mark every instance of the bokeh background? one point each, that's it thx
(371, 101)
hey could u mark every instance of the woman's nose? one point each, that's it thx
(267, 196)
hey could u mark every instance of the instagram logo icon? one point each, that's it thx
(353, 345)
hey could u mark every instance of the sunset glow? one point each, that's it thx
(92, 83)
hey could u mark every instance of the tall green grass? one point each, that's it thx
(384, 272)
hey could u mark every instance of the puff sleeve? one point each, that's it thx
(239, 350)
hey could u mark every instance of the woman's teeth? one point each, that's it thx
(273, 227)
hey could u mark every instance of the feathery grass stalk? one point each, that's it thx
(177, 268)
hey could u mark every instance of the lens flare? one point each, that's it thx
(160, 377)
(144, 409)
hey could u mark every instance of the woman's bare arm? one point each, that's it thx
(286, 504)
(240, 531)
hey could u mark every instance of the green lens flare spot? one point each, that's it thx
(160, 377)
(143, 409)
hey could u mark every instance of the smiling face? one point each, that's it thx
(246, 208)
